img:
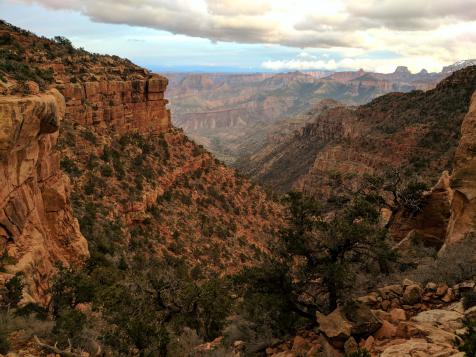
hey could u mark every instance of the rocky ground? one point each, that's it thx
(398, 320)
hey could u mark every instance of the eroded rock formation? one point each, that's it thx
(450, 212)
(37, 226)
(119, 105)
(463, 180)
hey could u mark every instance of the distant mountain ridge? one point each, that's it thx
(417, 130)
(222, 111)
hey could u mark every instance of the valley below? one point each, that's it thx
(233, 115)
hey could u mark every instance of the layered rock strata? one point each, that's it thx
(37, 226)
(122, 106)
(463, 180)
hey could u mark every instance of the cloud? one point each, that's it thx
(414, 29)
(412, 14)
(381, 65)
(233, 7)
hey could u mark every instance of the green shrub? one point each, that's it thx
(69, 326)
(359, 353)
(32, 309)
(14, 288)
(469, 299)
(468, 345)
(6, 39)
(69, 166)
(89, 136)
(106, 170)
(4, 343)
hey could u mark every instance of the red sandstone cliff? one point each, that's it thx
(463, 180)
(37, 226)
(119, 105)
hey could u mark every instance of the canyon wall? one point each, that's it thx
(65, 88)
(463, 180)
(37, 226)
(119, 105)
(449, 214)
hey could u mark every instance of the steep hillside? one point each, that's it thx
(139, 187)
(417, 132)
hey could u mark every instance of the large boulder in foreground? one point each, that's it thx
(362, 319)
(335, 327)
(354, 319)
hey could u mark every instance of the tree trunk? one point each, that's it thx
(331, 287)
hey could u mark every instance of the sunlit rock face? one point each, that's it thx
(463, 180)
(37, 226)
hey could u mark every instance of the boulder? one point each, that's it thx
(448, 320)
(412, 294)
(464, 287)
(449, 296)
(382, 315)
(369, 299)
(457, 306)
(408, 282)
(314, 350)
(398, 315)
(300, 344)
(417, 348)
(285, 354)
(327, 350)
(387, 330)
(335, 327)
(390, 291)
(350, 346)
(442, 290)
(367, 344)
(470, 313)
(362, 319)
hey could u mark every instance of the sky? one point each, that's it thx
(260, 35)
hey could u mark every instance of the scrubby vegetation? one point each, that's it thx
(25, 57)
(468, 345)
(143, 305)
(314, 265)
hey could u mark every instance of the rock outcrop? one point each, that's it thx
(119, 105)
(37, 226)
(394, 326)
(449, 214)
(463, 180)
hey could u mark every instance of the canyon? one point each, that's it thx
(105, 123)
(119, 235)
(225, 112)
(419, 134)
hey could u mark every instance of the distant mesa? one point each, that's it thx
(402, 70)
